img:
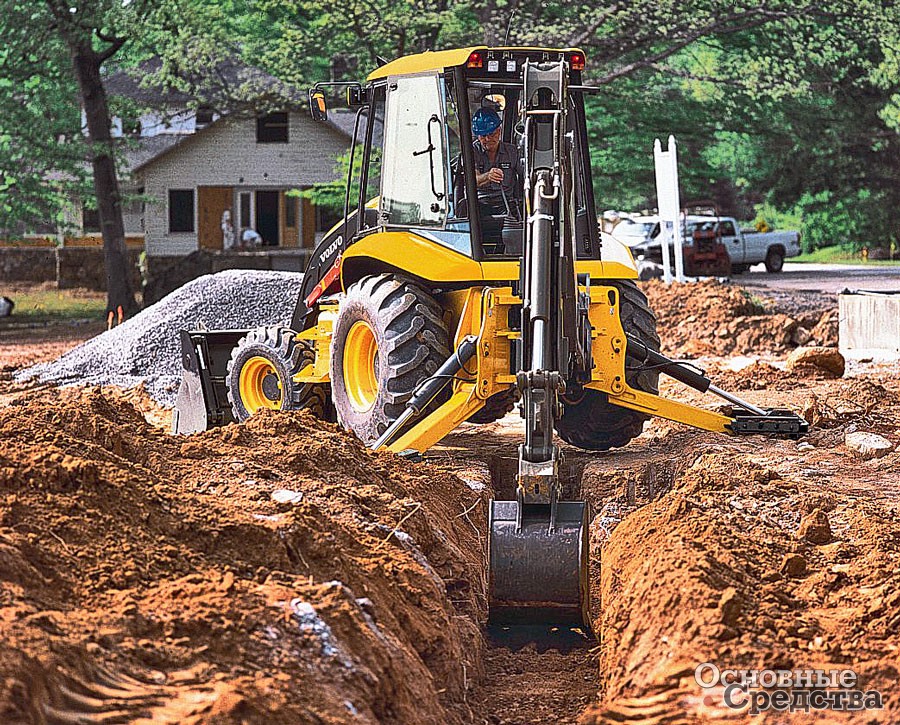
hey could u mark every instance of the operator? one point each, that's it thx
(496, 174)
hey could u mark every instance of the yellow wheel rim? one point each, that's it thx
(260, 386)
(360, 377)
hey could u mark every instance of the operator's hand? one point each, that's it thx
(491, 175)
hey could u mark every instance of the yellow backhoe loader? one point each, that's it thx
(427, 307)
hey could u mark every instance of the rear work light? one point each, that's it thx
(576, 60)
(475, 61)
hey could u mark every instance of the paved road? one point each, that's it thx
(828, 278)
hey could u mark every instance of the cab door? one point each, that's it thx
(414, 178)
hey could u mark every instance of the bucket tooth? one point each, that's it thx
(538, 573)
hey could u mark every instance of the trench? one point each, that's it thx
(541, 674)
(536, 674)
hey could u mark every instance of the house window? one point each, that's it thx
(272, 128)
(90, 220)
(204, 116)
(181, 210)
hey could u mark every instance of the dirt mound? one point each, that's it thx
(758, 375)
(718, 570)
(858, 405)
(271, 572)
(825, 331)
(713, 318)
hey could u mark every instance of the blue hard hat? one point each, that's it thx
(485, 122)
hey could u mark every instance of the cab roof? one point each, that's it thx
(438, 60)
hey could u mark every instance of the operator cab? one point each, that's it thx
(415, 164)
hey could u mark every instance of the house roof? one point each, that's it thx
(127, 83)
(158, 149)
(343, 121)
(231, 88)
(140, 152)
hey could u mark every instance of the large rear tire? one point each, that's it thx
(595, 424)
(388, 338)
(260, 374)
(496, 407)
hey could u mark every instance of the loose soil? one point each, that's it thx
(277, 571)
(713, 318)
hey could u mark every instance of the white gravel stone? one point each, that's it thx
(147, 349)
(284, 495)
(868, 445)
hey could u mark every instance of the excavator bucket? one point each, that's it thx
(538, 572)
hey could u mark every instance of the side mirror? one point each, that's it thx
(317, 107)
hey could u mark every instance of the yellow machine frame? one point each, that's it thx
(482, 311)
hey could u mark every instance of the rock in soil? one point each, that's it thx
(815, 527)
(816, 360)
(793, 565)
(867, 445)
(825, 333)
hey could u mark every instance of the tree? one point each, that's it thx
(93, 32)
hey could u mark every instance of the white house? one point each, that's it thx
(244, 166)
(184, 168)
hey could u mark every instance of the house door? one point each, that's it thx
(289, 220)
(267, 217)
(211, 202)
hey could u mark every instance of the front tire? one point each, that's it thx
(595, 424)
(260, 374)
(388, 338)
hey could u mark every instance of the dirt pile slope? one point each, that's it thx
(713, 318)
(273, 572)
(744, 567)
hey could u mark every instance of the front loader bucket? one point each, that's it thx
(202, 400)
(538, 574)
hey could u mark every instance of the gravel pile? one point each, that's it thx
(146, 349)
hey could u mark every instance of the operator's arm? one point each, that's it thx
(491, 175)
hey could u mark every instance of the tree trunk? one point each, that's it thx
(119, 291)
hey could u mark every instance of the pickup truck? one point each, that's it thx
(745, 248)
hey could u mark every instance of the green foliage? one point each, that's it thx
(851, 222)
(42, 151)
(331, 196)
(769, 217)
(842, 255)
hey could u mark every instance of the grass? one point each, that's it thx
(840, 255)
(40, 303)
